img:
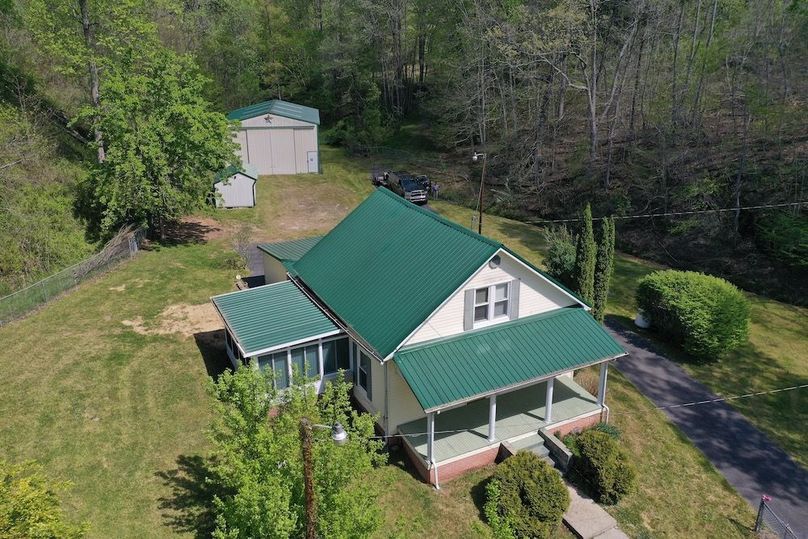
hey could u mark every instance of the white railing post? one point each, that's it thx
(492, 418)
(604, 372)
(548, 407)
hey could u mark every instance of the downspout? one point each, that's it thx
(386, 404)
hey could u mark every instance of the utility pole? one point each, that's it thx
(308, 478)
(475, 158)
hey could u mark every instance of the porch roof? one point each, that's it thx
(451, 371)
(270, 316)
(289, 251)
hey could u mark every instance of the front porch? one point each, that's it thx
(463, 432)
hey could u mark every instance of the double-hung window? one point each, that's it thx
(363, 375)
(492, 303)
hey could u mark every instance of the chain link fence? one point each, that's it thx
(768, 525)
(124, 245)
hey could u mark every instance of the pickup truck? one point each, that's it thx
(405, 185)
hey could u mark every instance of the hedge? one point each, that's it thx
(705, 315)
(530, 498)
(602, 467)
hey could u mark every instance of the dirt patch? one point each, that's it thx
(120, 288)
(194, 230)
(182, 319)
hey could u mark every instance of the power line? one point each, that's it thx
(672, 213)
(613, 413)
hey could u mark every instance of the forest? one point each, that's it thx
(638, 107)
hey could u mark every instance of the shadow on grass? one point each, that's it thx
(193, 485)
(397, 457)
(477, 494)
(187, 232)
(211, 346)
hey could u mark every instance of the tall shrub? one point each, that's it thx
(560, 259)
(585, 252)
(604, 267)
(532, 497)
(705, 315)
(602, 467)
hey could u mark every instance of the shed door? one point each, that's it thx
(313, 168)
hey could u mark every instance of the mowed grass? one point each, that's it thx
(117, 412)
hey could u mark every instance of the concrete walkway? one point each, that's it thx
(751, 462)
(588, 520)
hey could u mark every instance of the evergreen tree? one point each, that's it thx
(604, 268)
(585, 252)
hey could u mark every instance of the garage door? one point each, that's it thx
(260, 149)
(283, 151)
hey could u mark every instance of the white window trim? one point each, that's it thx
(322, 376)
(491, 319)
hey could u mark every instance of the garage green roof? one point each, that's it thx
(479, 363)
(388, 265)
(279, 108)
(289, 251)
(272, 316)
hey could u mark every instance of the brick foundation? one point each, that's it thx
(577, 425)
(489, 456)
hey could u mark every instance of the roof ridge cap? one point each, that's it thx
(561, 311)
(441, 219)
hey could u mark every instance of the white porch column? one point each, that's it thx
(604, 372)
(548, 406)
(430, 438)
(492, 418)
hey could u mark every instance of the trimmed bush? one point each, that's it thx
(602, 467)
(705, 315)
(560, 259)
(528, 498)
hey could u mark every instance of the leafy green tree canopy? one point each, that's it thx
(29, 504)
(585, 253)
(164, 143)
(258, 458)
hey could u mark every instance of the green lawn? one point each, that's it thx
(106, 388)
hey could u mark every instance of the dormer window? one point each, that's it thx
(491, 303)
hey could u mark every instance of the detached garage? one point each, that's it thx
(278, 137)
(235, 188)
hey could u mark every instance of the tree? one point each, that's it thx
(164, 143)
(257, 442)
(29, 504)
(585, 252)
(87, 39)
(604, 267)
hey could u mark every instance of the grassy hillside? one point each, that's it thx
(106, 387)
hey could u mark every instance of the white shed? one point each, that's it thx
(235, 187)
(278, 137)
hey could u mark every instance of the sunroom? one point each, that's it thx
(276, 327)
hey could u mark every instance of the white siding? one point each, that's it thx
(283, 151)
(274, 121)
(274, 272)
(404, 406)
(238, 192)
(536, 295)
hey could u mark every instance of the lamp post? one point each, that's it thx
(476, 157)
(339, 436)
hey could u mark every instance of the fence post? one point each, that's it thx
(761, 508)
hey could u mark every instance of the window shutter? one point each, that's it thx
(514, 307)
(468, 310)
(369, 389)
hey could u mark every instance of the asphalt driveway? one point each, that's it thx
(750, 461)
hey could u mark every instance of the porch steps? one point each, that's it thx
(535, 444)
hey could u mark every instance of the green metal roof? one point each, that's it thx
(271, 316)
(279, 108)
(388, 265)
(289, 251)
(477, 363)
(248, 170)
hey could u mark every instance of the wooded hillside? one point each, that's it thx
(637, 106)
